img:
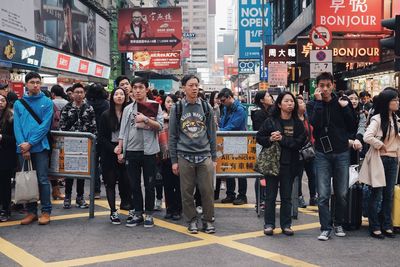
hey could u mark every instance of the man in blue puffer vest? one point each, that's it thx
(32, 143)
(233, 119)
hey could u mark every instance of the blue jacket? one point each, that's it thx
(26, 128)
(234, 118)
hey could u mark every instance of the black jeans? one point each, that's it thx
(5, 189)
(284, 181)
(231, 186)
(308, 167)
(173, 200)
(113, 173)
(80, 187)
(135, 162)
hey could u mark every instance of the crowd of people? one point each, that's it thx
(171, 140)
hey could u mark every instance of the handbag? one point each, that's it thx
(307, 152)
(26, 185)
(268, 161)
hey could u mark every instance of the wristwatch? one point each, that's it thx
(146, 121)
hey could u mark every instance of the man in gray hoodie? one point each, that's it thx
(192, 146)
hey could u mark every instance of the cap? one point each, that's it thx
(3, 86)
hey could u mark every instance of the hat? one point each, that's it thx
(3, 86)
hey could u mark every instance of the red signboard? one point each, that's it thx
(145, 60)
(185, 48)
(63, 61)
(229, 63)
(18, 89)
(153, 29)
(99, 70)
(349, 15)
(83, 67)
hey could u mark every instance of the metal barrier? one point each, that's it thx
(236, 156)
(74, 156)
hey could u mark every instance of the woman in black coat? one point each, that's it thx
(8, 157)
(112, 170)
(284, 127)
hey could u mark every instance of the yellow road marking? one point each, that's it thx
(130, 254)
(19, 255)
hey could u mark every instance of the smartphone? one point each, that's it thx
(326, 144)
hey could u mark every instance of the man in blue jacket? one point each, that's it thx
(32, 143)
(233, 119)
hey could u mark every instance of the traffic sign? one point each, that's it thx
(317, 68)
(320, 56)
(320, 36)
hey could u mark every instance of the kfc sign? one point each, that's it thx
(99, 70)
(83, 67)
(63, 61)
(349, 15)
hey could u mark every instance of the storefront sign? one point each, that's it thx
(251, 27)
(247, 66)
(280, 53)
(229, 65)
(349, 15)
(344, 50)
(55, 60)
(277, 74)
(146, 60)
(17, 51)
(87, 34)
(154, 29)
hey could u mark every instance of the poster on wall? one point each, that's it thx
(68, 25)
(155, 60)
(154, 29)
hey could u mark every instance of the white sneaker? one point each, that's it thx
(223, 186)
(324, 236)
(199, 210)
(158, 205)
(339, 231)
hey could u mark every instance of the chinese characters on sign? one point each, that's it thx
(277, 74)
(144, 60)
(282, 53)
(247, 66)
(349, 15)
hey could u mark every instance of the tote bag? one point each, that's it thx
(26, 185)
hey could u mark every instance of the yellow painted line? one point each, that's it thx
(130, 254)
(19, 255)
(231, 206)
(59, 217)
(277, 231)
(282, 259)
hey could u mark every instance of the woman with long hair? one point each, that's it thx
(284, 127)
(113, 171)
(384, 138)
(8, 157)
(173, 201)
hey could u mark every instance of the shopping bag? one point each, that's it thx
(353, 174)
(26, 185)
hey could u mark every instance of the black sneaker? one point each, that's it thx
(130, 218)
(176, 217)
(208, 227)
(4, 216)
(228, 199)
(114, 218)
(192, 228)
(148, 221)
(240, 201)
(67, 202)
(135, 221)
(168, 216)
(302, 202)
(313, 201)
(81, 203)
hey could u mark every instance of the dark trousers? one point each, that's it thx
(231, 186)
(173, 200)
(308, 167)
(80, 187)
(5, 189)
(283, 182)
(135, 162)
(197, 197)
(158, 182)
(113, 173)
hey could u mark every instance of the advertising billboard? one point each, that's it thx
(349, 15)
(250, 27)
(68, 25)
(151, 60)
(151, 29)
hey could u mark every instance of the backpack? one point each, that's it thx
(204, 105)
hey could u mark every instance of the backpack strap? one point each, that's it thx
(30, 110)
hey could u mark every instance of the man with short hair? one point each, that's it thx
(138, 146)
(192, 146)
(124, 83)
(333, 121)
(57, 94)
(233, 119)
(32, 142)
(77, 116)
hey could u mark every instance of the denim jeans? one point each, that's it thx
(383, 220)
(135, 162)
(336, 166)
(283, 182)
(40, 163)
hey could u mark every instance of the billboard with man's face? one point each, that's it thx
(68, 25)
(151, 29)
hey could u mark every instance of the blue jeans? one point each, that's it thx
(40, 163)
(336, 166)
(383, 220)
